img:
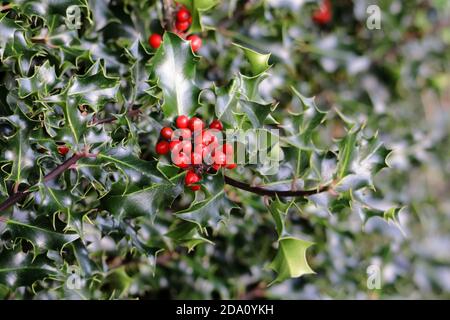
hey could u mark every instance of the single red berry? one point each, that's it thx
(195, 187)
(182, 122)
(183, 15)
(173, 144)
(166, 133)
(155, 40)
(216, 167)
(162, 147)
(208, 138)
(323, 15)
(191, 178)
(196, 42)
(181, 160)
(182, 26)
(216, 124)
(63, 150)
(196, 124)
(231, 166)
(182, 146)
(219, 158)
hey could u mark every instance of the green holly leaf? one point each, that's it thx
(360, 158)
(186, 234)
(19, 269)
(259, 62)
(17, 157)
(174, 67)
(146, 202)
(94, 88)
(41, 83)
(211, 210)
(290, 261)
(41, 237)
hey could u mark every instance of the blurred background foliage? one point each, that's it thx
(395, 79)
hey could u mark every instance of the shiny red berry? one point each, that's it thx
(162, 147)
(216, 124)
(182, 146)
(63, 150)
(196, 42)
(195, 187)
(182, 122)
(196, 124)
(191, 178)
(173, 144)
(155, 40)
(166, 133)
(183, 15)
(323, 15)
(231, 166)
(181, 26)
(208, 138)
(181, 160)
(220, 158)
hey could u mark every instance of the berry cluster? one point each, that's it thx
(196, 149)
(323, 14)
(183, 21)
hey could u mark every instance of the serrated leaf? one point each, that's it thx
(259, 62)
(94, 88)
(42, 238)
(290, 261)
(146, 202)
(360, 158)
(41, 83)
(213, 209)
(174, 67)
(19, 269)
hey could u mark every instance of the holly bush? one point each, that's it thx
(354, 174)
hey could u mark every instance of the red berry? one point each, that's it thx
(323, 15)
(220, 158)
(182, 122)
(196, 42)
(182, 26)
(208, 138)
(182, 146)
(216, 124)
(194, 187)
(182, 134)
(191, 178)
(173, 144)
(216, 166)
(181, 160)
(166, 133)
(63, 150)
(155, 40)
(162, 147)
(183, 15)
(231, 166)
(196, 124)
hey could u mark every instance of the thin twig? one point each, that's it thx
(273, 193)
(168, 13)
(16, 197)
